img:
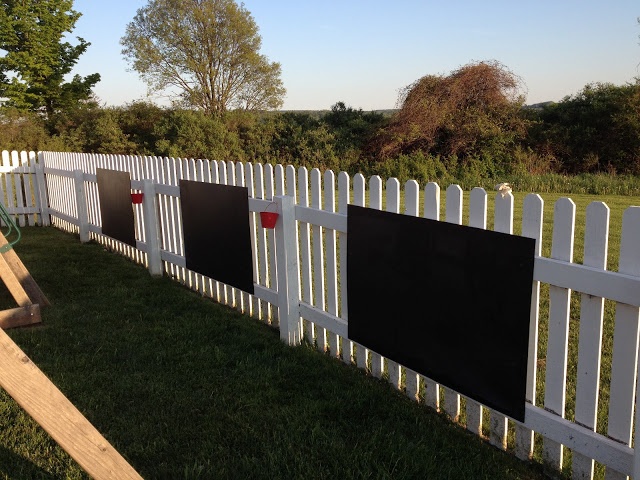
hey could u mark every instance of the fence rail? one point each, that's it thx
(301, 287)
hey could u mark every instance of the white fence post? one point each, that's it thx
(81, 204)
(42, 199)
(287, 270)
(151, 231)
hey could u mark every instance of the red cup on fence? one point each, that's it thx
(136, 198)
(268, 219)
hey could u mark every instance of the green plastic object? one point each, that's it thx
(11, 228)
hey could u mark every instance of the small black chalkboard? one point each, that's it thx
(114, 194)
(217, 238)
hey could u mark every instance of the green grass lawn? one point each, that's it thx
(186, 388)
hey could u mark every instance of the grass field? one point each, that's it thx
(186, 388)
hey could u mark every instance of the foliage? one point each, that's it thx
(192, 134)
(207, 51)
(36, 60)
(26, 131)
(472, 112)
(596, 130)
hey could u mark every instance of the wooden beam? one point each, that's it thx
(18, 279)
(20, 317)
(42, 400)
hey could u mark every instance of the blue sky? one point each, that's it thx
(362, 52)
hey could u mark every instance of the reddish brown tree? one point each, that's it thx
(473, 111)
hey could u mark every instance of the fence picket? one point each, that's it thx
(412, 207)
(26, 160)
(590, 337)
(453, 209)
(263, 261)
(532, 228)
(9, 202)
(269, 190)
(359, 186)
(624, 363)
(343, 201)
(393, 205)
(243, 300)
(17, 180)
(305, 253)
(253, 230)
(375, 201)
(431, 211)
(503, 222)
(330, 245)
(477, 219)
(559, 299)
(318, 257)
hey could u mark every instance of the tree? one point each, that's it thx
(205, 52)
(36, 60)
(472, 112)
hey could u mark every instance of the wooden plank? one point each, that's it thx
(615, 286)
(322, 218)
(44, 402)
(20, 317)
(579, 439)
(559, 298)
(590, 337)
(16, 272)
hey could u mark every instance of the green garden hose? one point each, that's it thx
(11, 225)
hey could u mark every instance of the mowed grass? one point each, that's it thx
(186, 388)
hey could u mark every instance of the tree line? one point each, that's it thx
(470, 123)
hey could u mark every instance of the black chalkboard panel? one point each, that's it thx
(217, 238)
(114, 193)
(448, 301)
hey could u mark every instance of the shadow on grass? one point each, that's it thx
(16, 467)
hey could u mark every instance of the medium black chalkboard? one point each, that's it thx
(114, 194)
(217, 238)
(450, 302)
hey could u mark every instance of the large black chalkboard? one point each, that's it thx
(114, 194)
(448, 301)
(217, 238)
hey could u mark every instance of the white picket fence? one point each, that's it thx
(300, 287)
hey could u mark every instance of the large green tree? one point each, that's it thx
(204, 52)
(36, 58)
